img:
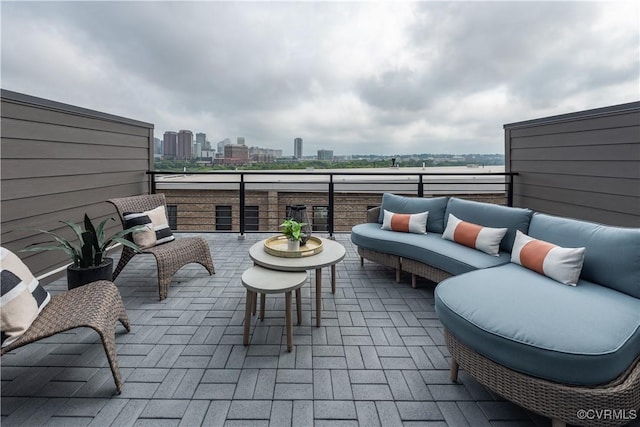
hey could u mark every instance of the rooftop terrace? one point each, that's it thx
(378, 358)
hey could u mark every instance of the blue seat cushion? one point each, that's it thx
(428, 248)
(491, 215)
(412, 205)
(583, 335)
(612, 255)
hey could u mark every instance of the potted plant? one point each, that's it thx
(293, 230)
(89, 260)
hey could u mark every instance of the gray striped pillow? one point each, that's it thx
(22, 297)
(156, 231)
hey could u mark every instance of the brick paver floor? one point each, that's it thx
(377, 360)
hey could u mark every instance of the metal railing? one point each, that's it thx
(256, 201)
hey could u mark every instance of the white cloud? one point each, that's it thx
(353, 77)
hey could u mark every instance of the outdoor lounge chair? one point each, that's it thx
(170, 256)
(97, 305)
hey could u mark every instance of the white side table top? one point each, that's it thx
(332, 253)
(265, 281)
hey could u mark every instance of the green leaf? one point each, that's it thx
(127, 243)
(75, 227)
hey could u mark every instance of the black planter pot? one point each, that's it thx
(77, 276)
(299, 213)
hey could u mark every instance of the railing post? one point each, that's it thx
(510, 190)
(331, 207)
(153, 182)
(242, 207)
(420, 186)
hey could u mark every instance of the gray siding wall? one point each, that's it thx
(583, 165)
(60, 161)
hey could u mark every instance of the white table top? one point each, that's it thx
(332, 253)
(265, 281)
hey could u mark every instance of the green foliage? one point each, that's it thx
(92, 247)
(292, 229)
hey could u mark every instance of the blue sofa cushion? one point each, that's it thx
(612, 256)
(412, 205)
(428, 248)
(491, 215)
(586, 335)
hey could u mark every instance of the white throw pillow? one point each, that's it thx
(560, 264)
(485, 239)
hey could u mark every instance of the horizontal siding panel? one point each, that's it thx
(591, 152)
(21, 129)
(609, 202)
(18, 228)
(588, 123)
(581, 183)
(584, 213)
(32, 187)
(34, 206)
(15, 169)
(614, 136)
(38, 114)
(15, 149)
(614, 169)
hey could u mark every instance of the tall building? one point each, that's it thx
(325, 154)
(170, 144)
(202, 139)
(241, 140)
(297, 148)
(221, 146)
(157, 146)
(185, 145)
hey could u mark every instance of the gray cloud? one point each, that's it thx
(352, 77)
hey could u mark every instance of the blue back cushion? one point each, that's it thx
(612, 256)
(411, 205)
(491, 215)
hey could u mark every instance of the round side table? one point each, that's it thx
(259, 280)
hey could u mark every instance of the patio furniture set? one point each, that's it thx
(543, 310)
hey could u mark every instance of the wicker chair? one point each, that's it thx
(171, 256)
(97, 305)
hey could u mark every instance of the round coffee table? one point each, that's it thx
(332, 253)
(258, 280)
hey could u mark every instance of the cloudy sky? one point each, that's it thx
(358, 77)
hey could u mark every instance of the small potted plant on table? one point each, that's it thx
(89, 260)
(292, 229)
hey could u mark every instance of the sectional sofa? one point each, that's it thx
(569, 352)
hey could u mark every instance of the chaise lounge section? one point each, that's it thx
(567, 352)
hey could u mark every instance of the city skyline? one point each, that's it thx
(353, 77)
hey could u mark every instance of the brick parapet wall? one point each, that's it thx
(196, 209)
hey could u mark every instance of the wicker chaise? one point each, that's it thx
(562, 403)
(97, 305)
(171, 256)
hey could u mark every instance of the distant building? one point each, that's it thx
(221, 146)
(157, 146)
(202, 139)
(185, 145)
(297, 148)
(241, 140)
(170, 145)
(234, 154)
(325, 154)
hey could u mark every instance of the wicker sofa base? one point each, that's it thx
(416, 268)
(613, 404)
(387, 260)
